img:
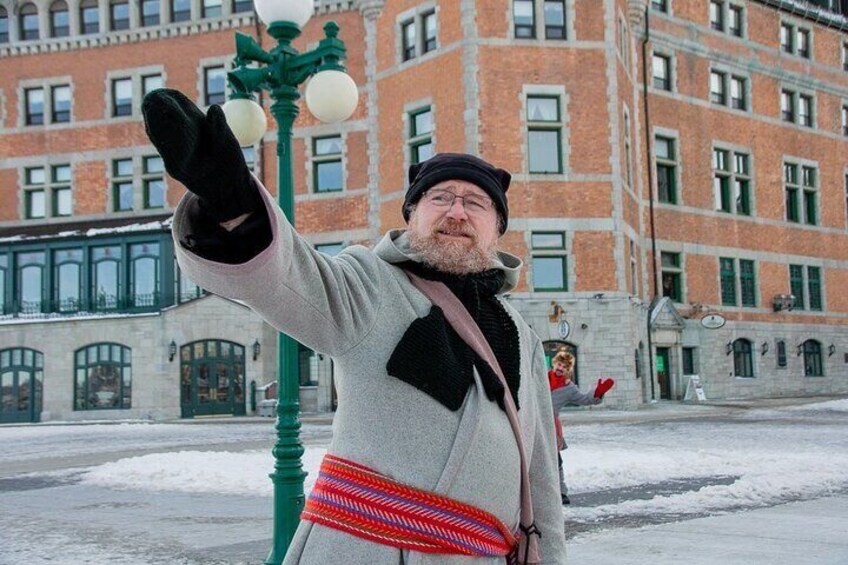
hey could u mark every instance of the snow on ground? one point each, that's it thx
(768, 462)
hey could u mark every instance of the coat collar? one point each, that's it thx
(394, 248)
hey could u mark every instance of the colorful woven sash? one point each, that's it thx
(364, 503)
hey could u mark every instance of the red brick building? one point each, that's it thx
(677, 166)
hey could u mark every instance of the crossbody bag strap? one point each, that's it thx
(461, 321)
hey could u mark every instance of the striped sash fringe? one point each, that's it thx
(364, 503)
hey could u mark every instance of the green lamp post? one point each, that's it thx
(331, 96)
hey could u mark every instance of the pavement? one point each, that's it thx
(159, 528)
(812, 532)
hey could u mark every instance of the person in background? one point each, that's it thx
(565, 393)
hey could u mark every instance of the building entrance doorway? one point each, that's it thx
(211, 378)
(664, 372)
(21, 385)
(552, 347)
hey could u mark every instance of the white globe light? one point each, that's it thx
(332, 96)
(247, 120)
(297, 11)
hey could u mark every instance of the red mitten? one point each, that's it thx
(603, 387)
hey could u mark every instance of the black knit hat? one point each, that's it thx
(459, 166)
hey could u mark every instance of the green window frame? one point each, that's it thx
(60, 190)
(89, 17)
(4, 273)
(153, 181)
(555, 19)
(103, 377)
(60, 103)
(144, 277)
(813, 365)
(181, 10)
(743, 359)
(122, 97)
(214, 84)
(106, 264)
(59, 23)
(119, 15)
(793, 190)
(408, 40)
(727, 268)
(549, 261)
(787, 105)
(672, 275)
(35, 191)
(666, 166)
(149, 12)
(34, 102)
(421, 127)
(327, 167)
(814, 288)
(47, 196)
(31, 281)
(67, 281)
(722, 179)
(659, 5)
(185, 288)
(122, 185)
(544, 134)
(748, 283)
(718, 88)
(524, 19)
(661, 71)
(796, 285)
(211, 8)
(810, 195)
(121, 274)
(429, 31)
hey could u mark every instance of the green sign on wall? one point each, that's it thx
(660, 364)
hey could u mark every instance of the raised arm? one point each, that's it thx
(233, 240)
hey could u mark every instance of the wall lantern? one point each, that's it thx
(831, 350)
(764, 348)
(728, 347)
(257, 349)
(172, 350)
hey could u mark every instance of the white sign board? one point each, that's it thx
(564, 329)
(695, 388)
(713, 321)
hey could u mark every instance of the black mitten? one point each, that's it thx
(201, 152)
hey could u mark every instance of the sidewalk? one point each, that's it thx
(811, 532)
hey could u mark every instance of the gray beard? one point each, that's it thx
(453, 257)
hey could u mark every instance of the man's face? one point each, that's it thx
(459, 237)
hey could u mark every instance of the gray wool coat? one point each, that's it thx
(355, 307)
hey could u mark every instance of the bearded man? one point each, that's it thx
(421, 415)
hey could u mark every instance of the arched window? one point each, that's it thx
(812, 359)
(59, 22)
(144, 275)
(21, 384)
(105, 275)
(103, 377)
(28, 21)
(89, 17)
(4, 25)
(743, 361)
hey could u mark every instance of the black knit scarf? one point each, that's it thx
(433, 358)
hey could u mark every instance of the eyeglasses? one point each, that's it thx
(473, 203)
